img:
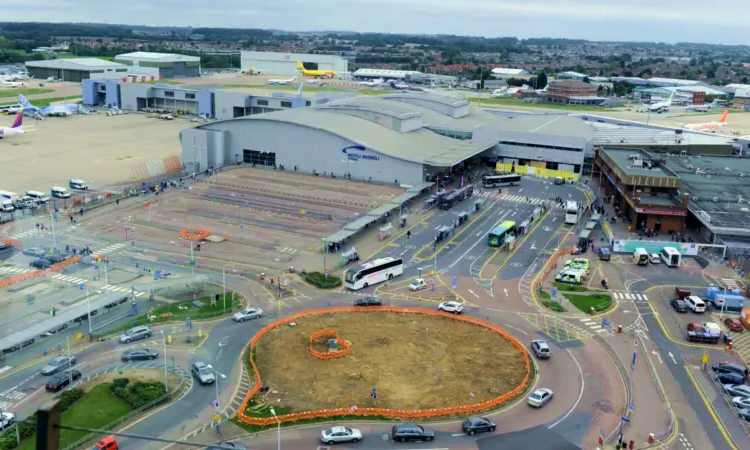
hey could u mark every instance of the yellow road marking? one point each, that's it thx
(516, 247)
(711, 410)
(423, 221)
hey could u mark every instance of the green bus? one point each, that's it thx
(497, 237)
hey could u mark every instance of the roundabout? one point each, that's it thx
(421, 363)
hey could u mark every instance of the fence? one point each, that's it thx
(329, 355)
(392, 413)
(68, 262)
(156, 167)
(22, 277)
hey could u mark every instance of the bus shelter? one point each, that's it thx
(584, 239)
(521, 229)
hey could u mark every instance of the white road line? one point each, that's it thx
(645, 298)
(580, 395)
(628, 297)
(638, 296)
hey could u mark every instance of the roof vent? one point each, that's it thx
(716, 199)
(695, 199)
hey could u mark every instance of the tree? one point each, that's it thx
(541, 80)
(586, 80)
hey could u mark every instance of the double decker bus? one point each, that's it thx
(373, 272)
(490, 181)
(497, 237)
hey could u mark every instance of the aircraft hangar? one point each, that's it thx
(286, 63)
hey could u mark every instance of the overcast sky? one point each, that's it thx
(632, 20)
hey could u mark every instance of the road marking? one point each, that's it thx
(711, 410)
(658, 355)
(472, 293)
(583, 385)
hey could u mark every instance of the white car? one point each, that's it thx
(654, 258)
(332, 435)
(247, 314)
(454, 307)
(6, 420)
(741, 402)
(417, 285)
(540, 397)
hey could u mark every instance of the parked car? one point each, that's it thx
(333, 435)
(730, 378)
(139, 354)
(7, 420)
(135, 333)
(477, 424)
(737, 390)
(56, 258)
(678, 305)
(741, 402)
(453, 307)
(694, 326)
(411, 432)
(734, 325)
(368, 301)
(417, 285)
(744, 413)
(58, 363)
(203, 373)
(61, 380)
(654, 258)
(247, 314)
(729, 367)
(541, 348)
(33, 251)
(540, 397)
(41, 264)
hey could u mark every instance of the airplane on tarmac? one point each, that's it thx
(13, 84)
(709, 126)
(706, 107)
(660, 107)
(282, 82)
(314, 73)
(15, 128)
(374, 83)
(63, 110)
(405, 87)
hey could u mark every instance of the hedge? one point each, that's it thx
(139, 393)
(320, 280)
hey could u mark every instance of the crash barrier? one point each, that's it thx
(68, 262)
(331, 334)
(195, 235)
(382, 412)
(11, 242)
(22, 277)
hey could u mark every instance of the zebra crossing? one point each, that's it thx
(35, 232)
(729, 283)
(16, 270)
(289, 250)
(636, 297)
(109, 249)
(108, 287)
(386, 196)
(69, 279)
(530, 200)
(593, 325)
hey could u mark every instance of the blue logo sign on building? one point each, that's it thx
(356, 152)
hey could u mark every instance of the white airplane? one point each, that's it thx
(374, 83)
(661, 106)
(15, 128)
(709, 126)
(406, 87)
(13, 84)
(63, 110)
(282, 82)
(706, 107)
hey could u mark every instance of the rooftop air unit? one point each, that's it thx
(716, 199)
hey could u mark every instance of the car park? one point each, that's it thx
(452, 307)
(139, 354)
(334, 435)
(41, 264)
(737, 390)
(540, 397)
(734, 325)
(477, 424)
(730, 367)
(541, 349)
(61, 380)
(368, 301)
(134, 334)
(33, 251)
(203, 373)
(248, 314)
(678, 305)
(57, 364)
(411, 432)
(417, 285)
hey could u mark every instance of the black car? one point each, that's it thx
(62, 379)
(411, 432)
(368, 301)
(730, 378)
(40, 264)
(139, 354)
(678, 305)
(56, 258)
(476, 424)
(729, 367)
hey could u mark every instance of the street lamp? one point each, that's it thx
(217, 381)
(166, 377)
(273, 412)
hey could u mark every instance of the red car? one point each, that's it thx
(695, 326)
(734, 325)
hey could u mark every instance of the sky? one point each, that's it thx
(616, 20)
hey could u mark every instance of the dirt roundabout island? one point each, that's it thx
(417, 361)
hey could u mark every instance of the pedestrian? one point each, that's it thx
(117, 201)
(408, 234)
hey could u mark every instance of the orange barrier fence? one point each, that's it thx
(329, 355)
(195, 235)
(11, 242)
(393, 413)
(552, 261)
(66, 263)
(18, 278)
(172, 164)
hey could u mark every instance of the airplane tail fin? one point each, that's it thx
(22, 100)
(18, 122)
(299, 91)
(300, 67)
(724, 116)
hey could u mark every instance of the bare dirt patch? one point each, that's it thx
(416, 361)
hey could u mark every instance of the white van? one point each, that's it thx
(7, 206)
(640, 256)
(695, 304)
(75, 183)
(60, 192)
(37, 196)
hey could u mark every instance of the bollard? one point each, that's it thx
(619, 329)
(632, 445)
(442, 299)
(169, 339)
(651, 438)
(200, 333)
(730, 346)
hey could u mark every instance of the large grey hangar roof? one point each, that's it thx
(84, 64)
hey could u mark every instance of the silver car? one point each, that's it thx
(247, 314)
(203, 373)
(332, 435)
(57, 364)
(540, 397)
(134, 334)
(34, 251)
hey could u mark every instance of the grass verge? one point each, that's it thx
(25, 91)
(600, 302)
(41, 102)
(568, 287)
(553, 306)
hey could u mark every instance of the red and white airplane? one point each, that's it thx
(709, 126)
(15, 128)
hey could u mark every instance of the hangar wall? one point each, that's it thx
(293, 145)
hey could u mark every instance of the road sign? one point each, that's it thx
(192, 262)
(553, 293)
(81, 286)
(606, 323)
(374, 393)
(327, 272)
(455, 282)
(157, 274)
(189, 324)
(635, 343)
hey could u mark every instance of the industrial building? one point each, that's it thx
(410, 76)
(505, 73)
(76, 69)
(573, 93)
(218, 104)
(286, 63)
(161, 65)
(741, 99)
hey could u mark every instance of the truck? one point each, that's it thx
(707, 333)
(726, 300)
(640, 256)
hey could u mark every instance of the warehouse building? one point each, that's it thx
(213, 104)
(161, 65)
(573, 93)
(506, 73)
(286, 63)
(76, 69)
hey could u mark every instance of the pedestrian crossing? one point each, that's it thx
(109, 249)
(636, 297)
(36, 232)
(107, 288)
(593, 325)
(530, 200)
(289, 250)
(386, 196)
(69, 279)
(729, 283)
(16, 270)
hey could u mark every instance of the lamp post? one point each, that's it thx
(273, 412)
(217, 381)
(166, 377)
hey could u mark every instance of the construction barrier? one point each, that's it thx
(11, 242)
(22, 277)
(195, 235)
(329, 355)
(392, 413)
(68, 262)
